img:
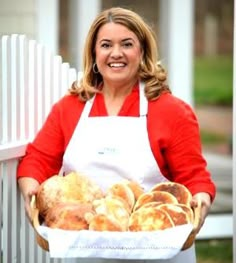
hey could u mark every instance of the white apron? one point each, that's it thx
(109, 149)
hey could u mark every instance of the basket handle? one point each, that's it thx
(197, 215)
(34, 212)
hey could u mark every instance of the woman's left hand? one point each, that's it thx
(205, 200)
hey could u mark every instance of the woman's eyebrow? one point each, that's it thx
(109, 40)
(127, 39)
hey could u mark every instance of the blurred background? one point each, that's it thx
(208, 30)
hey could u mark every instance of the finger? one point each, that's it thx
(194, 203)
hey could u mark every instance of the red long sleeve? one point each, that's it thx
(172, 128)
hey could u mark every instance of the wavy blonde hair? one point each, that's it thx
(150, 70)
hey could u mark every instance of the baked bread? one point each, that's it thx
(74, 202)
(189, 212)
(73, 187)
(68, 216)
(177, 214)
(123, 192)
(149, 219)
(135, 187)
(181, 192)
(160, 197)
(101, 222)
(114, 208)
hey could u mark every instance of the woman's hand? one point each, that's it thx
(205, 200)
(28, 187)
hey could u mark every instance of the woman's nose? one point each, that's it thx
(116, 51)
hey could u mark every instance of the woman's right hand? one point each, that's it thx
(28, 187)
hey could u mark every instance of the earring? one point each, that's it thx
(95, 68)
(141, 64)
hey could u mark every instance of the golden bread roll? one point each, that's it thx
(177, 214)
(155, 196)
(68, 216)
(149, 219)
(181, 192)
(101, 222)
(124, 192)
(71, 188)
(89, 190)
(151, 204)
(113, 208)
(189, 212)
(135, 187)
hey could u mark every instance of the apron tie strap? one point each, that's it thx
(143, 102)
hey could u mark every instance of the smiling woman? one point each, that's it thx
(120, 121)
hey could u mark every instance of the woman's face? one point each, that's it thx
(118, 54)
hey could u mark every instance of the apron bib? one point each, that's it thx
(112, 148)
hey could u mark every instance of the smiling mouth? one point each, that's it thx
(116, 65)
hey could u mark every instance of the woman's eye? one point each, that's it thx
(128, 44)
(105, 45)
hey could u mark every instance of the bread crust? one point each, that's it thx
(161, 197)
(74, 187)
(69, 216)
(180, 191)
(177, 214)
(150, 219)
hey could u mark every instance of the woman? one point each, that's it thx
(121, 121)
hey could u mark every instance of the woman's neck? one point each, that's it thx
(114, 97)
(114, 91)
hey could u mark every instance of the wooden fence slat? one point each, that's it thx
(21, 84)
(5, 72)
(65, 77)
(38, 99)
(57, 61)
(6, 215)
(12, 99)
(30, 112)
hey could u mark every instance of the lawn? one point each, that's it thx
(214, 251)
(213, 80)
(213, 85)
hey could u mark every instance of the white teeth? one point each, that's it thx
(117, 65)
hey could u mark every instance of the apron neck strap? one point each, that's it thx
(143, 103)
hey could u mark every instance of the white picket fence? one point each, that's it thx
(31, 81)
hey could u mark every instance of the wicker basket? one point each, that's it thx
(37, 222)
(45, 246)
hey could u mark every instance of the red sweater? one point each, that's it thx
(172, 128)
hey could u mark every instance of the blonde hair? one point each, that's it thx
(150, 70)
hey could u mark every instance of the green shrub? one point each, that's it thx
(213, 80)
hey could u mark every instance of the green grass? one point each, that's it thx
(214, 251)
(212, 138)
(213, 80)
